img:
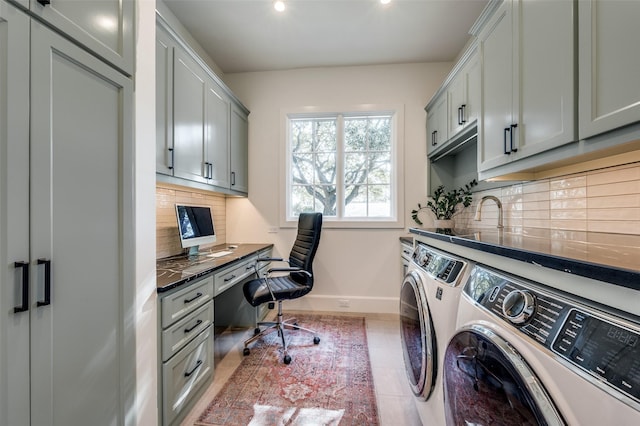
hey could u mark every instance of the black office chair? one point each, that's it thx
(297, 283)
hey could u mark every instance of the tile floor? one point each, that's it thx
(395, 400)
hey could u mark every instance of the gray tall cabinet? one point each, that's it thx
(67, 349)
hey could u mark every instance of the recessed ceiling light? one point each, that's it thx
(279, 5)
(385, 1)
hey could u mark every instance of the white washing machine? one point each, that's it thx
(524, 353)
(429, 300)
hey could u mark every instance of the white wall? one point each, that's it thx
(360, 265)
(146, 320)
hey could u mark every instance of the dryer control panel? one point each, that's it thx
(438, 264)
(591, 341)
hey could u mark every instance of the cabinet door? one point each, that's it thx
(437, 124)
(103, 26)
(239, 150)
(82, 352)
(545, 76)
(609, 65)
(217, 136)
(496, 45)
(464, 97)
(14, 215)
(164, 102)
(189, 91)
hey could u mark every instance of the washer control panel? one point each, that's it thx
(437, 264)
(603, 346)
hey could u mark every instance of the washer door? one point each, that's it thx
(486, 381)
(417, 336)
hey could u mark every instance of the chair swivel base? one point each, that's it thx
(279, 325)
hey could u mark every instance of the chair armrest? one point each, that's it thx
(299, 270)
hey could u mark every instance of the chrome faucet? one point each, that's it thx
(498, 203)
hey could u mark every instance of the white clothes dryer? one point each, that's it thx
(429, 299)
(525, 353)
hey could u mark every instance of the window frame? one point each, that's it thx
(396, 220)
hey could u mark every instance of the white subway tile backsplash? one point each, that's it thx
(606, 200)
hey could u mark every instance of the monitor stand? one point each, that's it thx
(193, 250)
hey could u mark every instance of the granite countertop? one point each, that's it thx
(612, 258)
(174, 271)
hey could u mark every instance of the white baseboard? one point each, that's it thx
(356, 304)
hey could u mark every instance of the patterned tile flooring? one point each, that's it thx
(395, 400)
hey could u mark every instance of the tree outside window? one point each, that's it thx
(341, 165)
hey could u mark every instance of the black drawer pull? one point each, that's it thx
(172, 159)
(233, 178)
(47, 282)
(44, 2)
(197, 296)
(249, 267)
(198, 364)
(190, 329)
(25, 287)
(463, 110)
(226, 280)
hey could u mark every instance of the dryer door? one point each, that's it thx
(486, 381)
(417, 335)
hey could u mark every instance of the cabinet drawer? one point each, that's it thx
(233, 275)
(186, 300)
(185, 373)
(185, 330)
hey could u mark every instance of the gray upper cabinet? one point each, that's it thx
(165, 47)
(239, 150)
(436, 123)
(528, 74)
(189, 92)
(463, 95)
(217, 136)
(202, 129)
(106, 27)
(609, 65)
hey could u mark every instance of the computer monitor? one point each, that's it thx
(195, 226)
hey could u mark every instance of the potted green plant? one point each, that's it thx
(445, 205)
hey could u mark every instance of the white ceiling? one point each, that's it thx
(249, 35)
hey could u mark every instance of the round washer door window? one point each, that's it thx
(487, 382)
(416, 334)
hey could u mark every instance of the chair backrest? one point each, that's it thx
(305, 246)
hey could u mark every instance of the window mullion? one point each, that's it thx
(340, 190)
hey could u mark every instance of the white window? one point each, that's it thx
(344, 165)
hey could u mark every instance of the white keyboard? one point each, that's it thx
(219, 254)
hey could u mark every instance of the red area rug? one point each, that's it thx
(326, 384)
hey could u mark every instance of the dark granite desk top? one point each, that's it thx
(612, 258)
(174, 271)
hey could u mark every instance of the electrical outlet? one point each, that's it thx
(343, 303)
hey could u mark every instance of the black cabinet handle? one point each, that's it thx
(506, 130)
(463, 110)
(44, 2)
(25, 287)
(459, 116)
(197, 296)
(511, 132)
(434, 138)
(172, 158)
(190, 329)
(47, 282)
(226, 280)
(233, 178)
(198, 364)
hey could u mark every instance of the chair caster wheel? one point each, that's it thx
(316, 340)
(256, 331)
(287, 359)
(246, 351)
